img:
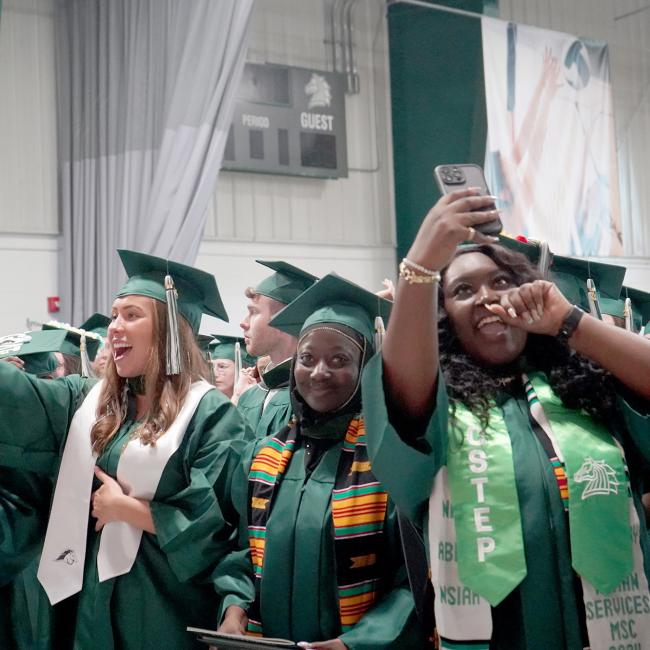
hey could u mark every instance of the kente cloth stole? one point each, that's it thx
(475, 537)
(358, 516)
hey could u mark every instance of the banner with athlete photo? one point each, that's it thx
(551, 154)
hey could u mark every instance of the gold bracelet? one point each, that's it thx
(409, 274)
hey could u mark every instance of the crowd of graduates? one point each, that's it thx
(459, 465)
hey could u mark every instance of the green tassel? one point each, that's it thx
(173, 341)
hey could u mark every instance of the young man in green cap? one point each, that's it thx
(266, 406)
(327, 562)
(142, 461)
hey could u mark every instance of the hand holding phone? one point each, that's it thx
(450, 178)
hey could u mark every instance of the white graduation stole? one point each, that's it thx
(139, 470)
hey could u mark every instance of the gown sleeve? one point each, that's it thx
(24, 504)
(233, 577)
(195, 525)
(405, 469)
(35, 415)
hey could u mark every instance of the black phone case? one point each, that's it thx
(457, 177)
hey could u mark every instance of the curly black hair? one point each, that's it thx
(577, 381)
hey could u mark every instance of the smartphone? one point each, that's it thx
(458, 177)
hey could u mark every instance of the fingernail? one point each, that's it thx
(536, 315)
(511, 312)
(494, 240)
(528, 318)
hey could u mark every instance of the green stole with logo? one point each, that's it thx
(485, 529)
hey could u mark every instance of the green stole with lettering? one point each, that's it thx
(476, 542)
(358, 516)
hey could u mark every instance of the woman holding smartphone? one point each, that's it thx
(513, 428)
(140, 513)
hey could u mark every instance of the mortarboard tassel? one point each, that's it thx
(544, 261)
(237, 361)
(380, 332)
(173, 342)
(86, 369)
(629, 315)
(592, 297)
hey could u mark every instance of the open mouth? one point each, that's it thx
(120, 351)
(491, 325)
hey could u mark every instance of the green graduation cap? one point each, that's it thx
(223, 347)
(570, 274)
(611, 306)
(78, 342)
(196, 291)
(640, 307)
(537, 252)
(334, 299)
(286, 284)
(97, 324)
(36, 349)
(203, 341)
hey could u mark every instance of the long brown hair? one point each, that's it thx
(167, 392)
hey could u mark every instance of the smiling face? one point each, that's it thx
(327, 369)
(471, 281)
(131, 334)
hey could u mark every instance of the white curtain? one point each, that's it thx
(145, 96)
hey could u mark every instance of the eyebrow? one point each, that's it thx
(128, 305)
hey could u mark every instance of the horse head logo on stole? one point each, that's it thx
(599, 477)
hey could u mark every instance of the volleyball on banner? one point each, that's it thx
(551, 153)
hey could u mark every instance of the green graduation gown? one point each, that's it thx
(299, 598)
(264, 421)
(171, 584)
(542, 611)
(24, 502)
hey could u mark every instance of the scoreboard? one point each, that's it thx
(288, 120)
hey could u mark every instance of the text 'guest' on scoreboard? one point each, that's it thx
(288, 120)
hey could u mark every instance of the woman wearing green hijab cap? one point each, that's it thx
(326, 556)
(148, 451)
(514, 429)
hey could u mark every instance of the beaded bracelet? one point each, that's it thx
(407, 271)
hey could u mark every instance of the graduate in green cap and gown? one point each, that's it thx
(149, 451)
(266, 407)
(229, 358)
(24, 502)
(327, 562)
(499, 424)
(79, 348)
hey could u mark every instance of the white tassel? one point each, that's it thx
(86, 368)
(629, 315)
(173, 342)
(380, 333)
(237, 361)
(592, 297)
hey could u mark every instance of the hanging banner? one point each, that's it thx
(551, 153)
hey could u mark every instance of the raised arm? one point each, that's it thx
(410, 351)
(35, 415)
